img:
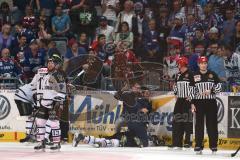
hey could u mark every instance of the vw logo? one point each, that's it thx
(220, 106)
(4, 107)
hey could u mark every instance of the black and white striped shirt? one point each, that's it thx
(182, 88)
(204, 82)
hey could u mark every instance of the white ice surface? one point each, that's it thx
(17, 151)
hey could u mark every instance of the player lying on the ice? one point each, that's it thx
(137, 126)
(120, 139)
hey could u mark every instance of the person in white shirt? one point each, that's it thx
(126, 15)
(110, 9)
(105, 29)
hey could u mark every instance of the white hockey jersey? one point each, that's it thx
(170, 65)
(37, 84)
(232, 66)
(51, 90)
(24, 94)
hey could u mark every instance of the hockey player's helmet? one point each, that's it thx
(202, 59)
(56, 59)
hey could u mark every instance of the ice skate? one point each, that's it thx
(28, 138)
(123, 141)
(214, 151)
(40, 147)
(187, 146)
(56, 147)
(198, 150)
(177, 148)
(138, 142)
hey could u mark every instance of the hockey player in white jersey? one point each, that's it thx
(27, 105)
(95, 142)
(51, 90)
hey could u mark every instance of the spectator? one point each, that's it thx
(44, 19)
(77, 4)
(198, 50)
(228, 26)
(213, 49)
(83, 41)
(65, 6)
(74, 51)
(232, 65)
(216, 63)
(179, 29)
(125, 16)
(191, 7)
(33, 60)
(151, 43)
(124, 34)
(215, 19)
(199, 37)
(163, 28)
(6, 16)
(19, 8)
(84, 19)
(29, 20)
(190, 27)
(20, 48)
(105, 29)
(43, 33)
(110, 8)
(140, 25)
(176, 6)
(212, 18)
(235, 40)
(6, 39)
(52, 49)
(163, 17)
(60, 23)
(213, 36)
(97, 47)
(8, 67)
(23, 31)
(47, 5)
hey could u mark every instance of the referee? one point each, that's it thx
(182, 110)
(207, 85)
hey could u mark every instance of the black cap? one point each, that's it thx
(102, 18)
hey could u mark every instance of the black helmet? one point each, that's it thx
(56, 59)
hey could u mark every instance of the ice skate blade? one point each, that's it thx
(40, 150)
(54, 151)
(214, 153)
(186, 149)
(198, 152)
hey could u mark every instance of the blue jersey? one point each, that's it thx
(31, 63)
(9, 66)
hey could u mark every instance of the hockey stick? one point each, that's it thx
(194, 123)
(235, 153)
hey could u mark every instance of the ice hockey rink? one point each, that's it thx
(17, 151)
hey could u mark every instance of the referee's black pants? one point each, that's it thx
(182, 122)
(206, 108)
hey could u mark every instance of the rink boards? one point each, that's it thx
(94, 113)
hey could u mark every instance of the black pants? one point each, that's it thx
(206, 109)
(139, 130)
(182, 122)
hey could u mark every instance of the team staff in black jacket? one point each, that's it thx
(207, 85)
(182, 111)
